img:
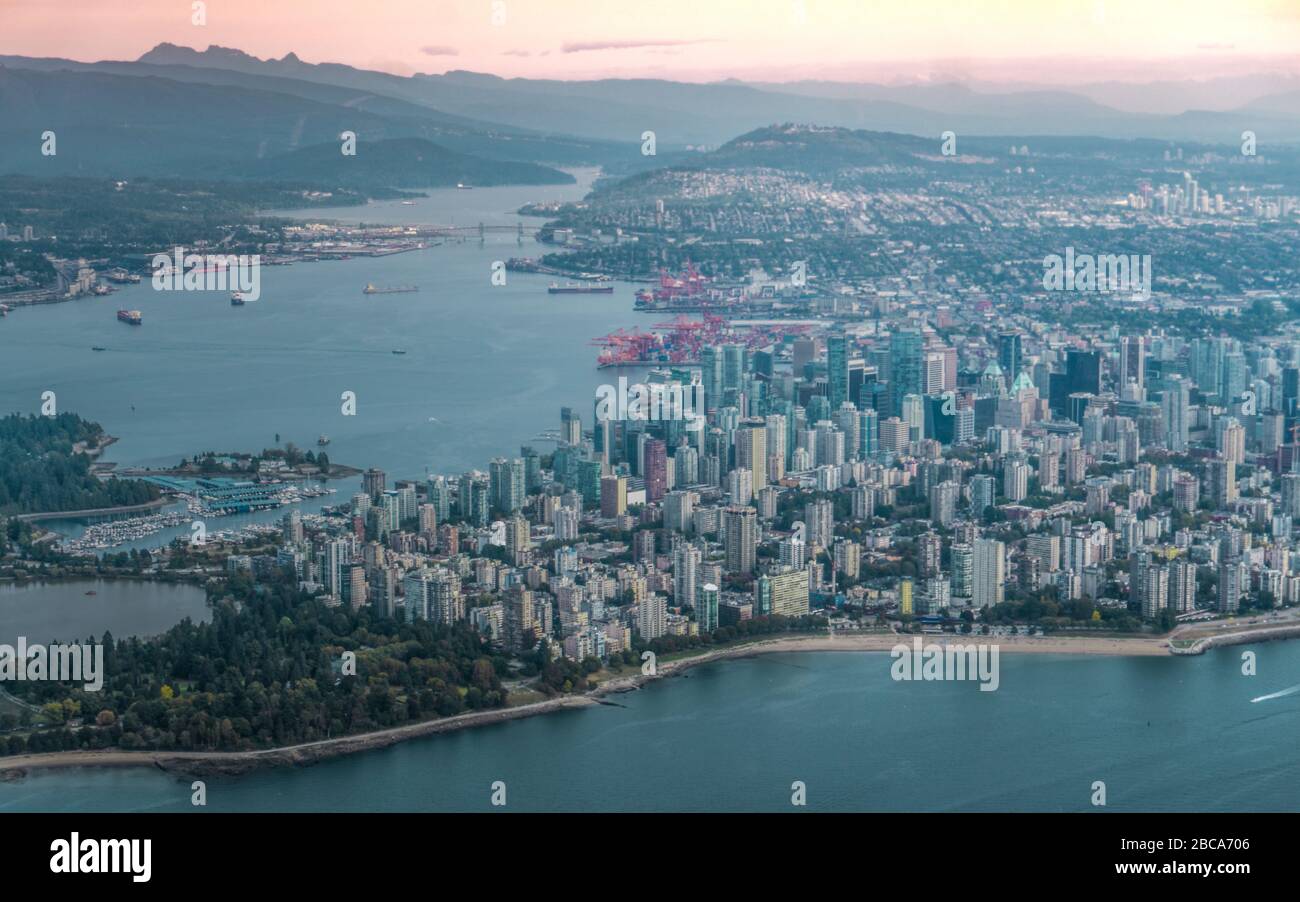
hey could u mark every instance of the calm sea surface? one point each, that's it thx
(1177, 734)
(486, 368)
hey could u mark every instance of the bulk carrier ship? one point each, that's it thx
(571, 288)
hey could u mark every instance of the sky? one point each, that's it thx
(1051, 41)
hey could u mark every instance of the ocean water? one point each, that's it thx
(1163, 734)
(486, 367)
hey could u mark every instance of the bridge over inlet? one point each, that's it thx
(479, 231)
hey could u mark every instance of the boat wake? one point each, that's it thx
(1282, 694)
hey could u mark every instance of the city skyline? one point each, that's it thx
(542, 444)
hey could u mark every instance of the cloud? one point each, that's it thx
(440, 51)
(584, 46)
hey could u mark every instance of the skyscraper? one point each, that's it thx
(989, 573)
(656, 469)
(1222, 478)
(819, 521)
(1175, 406)
(837, 370)
(613, 496)
(1132, 361)
(751, 450)
(784, 593)
(652, 616)
(1083, 371)
(373, 483)
(733, 367)
(711, 375)
(570, 426)
(686, 565)
(906, 374)
(706, 608)
(1009, 355)
(741, 527)
(943, 502)
(507, 478)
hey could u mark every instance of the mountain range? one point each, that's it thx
(178, 111)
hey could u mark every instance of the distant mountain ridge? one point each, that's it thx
(111, 125)
(397, 163)
(181, 112)
(683, 113)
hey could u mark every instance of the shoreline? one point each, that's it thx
(18, 767)
(198, 764)
(164, 501)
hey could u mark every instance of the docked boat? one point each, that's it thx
(572, 288)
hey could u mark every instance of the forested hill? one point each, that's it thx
(43, 467)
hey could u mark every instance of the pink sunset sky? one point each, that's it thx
(1059, 41)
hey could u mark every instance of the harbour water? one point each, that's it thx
(1165, 734)
(486, 367)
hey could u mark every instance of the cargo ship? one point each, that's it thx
(570, 288)
(134, 317)
(371, 288)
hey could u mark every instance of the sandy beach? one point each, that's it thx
(207, 763)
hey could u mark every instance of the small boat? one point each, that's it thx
(461, 186)
(372, 288)
(236, 299)
(399, 351)
(571, 288)
(97, 348)
(323, 440)
(92, 592)
(408, 203)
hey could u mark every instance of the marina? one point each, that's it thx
(200, 502)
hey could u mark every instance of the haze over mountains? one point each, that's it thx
(180, 111)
